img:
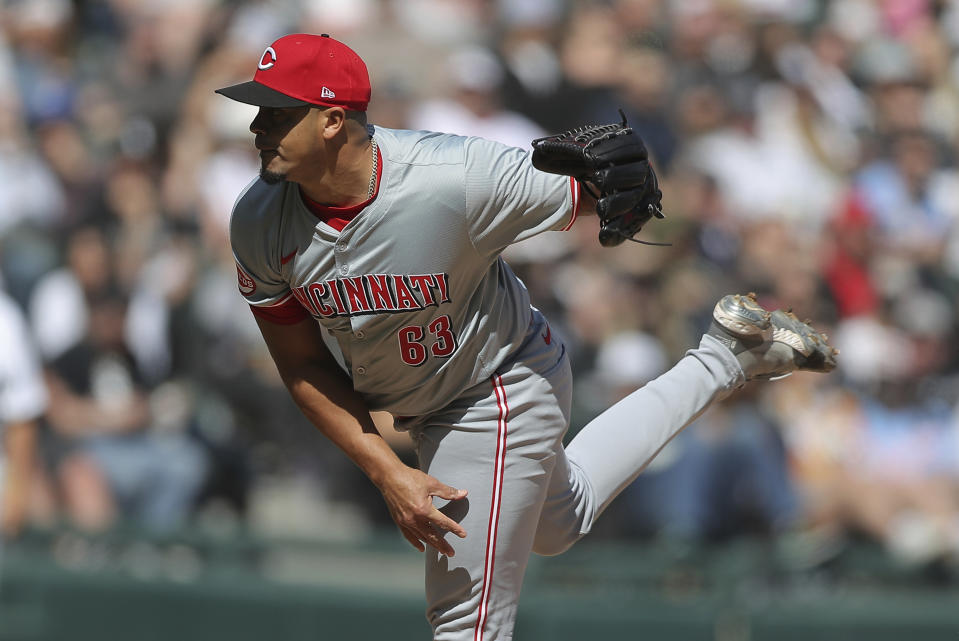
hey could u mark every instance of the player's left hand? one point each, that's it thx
(409, 497)
(612, 159)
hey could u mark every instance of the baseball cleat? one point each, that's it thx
(769, 345)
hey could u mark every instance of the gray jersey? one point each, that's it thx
(413, 290)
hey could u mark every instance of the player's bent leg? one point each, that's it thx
(500, 443)
(569, 510)
(615, 447)
(744, 342)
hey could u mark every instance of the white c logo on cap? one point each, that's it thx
(267, 60)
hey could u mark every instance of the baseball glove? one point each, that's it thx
(611, 159)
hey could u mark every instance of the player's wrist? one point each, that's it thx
(587, 204)
(382, 469)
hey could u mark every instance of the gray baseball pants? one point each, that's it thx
(502, 441)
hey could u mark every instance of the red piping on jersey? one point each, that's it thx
(576, 190)
(339, 217)
(499, 465)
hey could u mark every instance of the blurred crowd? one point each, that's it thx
(807, 152)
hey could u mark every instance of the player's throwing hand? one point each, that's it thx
(409, 496)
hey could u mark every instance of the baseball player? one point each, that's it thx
(371, 261)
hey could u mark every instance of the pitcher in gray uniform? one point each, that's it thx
(371, 260)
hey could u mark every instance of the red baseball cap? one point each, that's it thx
(304, 69)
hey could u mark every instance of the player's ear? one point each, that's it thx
(334, 122)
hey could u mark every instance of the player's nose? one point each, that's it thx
(256, 125)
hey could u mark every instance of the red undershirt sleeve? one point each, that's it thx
(286, 312)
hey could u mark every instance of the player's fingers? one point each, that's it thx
(433, 537)
(445, 523)
(413, 539)
(448, 493)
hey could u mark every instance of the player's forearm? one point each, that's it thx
(330, 403)
(326, 396)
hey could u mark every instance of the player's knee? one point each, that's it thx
(553, 543)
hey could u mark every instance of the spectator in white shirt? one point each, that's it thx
(23, 400)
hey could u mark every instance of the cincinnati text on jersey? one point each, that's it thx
(373, 294)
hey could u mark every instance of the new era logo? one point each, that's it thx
(327, 93)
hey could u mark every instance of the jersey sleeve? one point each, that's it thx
(509, 200)
(255, 238)
(23, 395)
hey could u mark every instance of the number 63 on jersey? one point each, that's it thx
(417, 343)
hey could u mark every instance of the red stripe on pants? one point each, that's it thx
(499, 464)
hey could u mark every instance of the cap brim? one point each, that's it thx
(254, 93)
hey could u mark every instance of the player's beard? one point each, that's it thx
(271, 177)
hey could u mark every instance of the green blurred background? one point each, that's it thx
(124, 587)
